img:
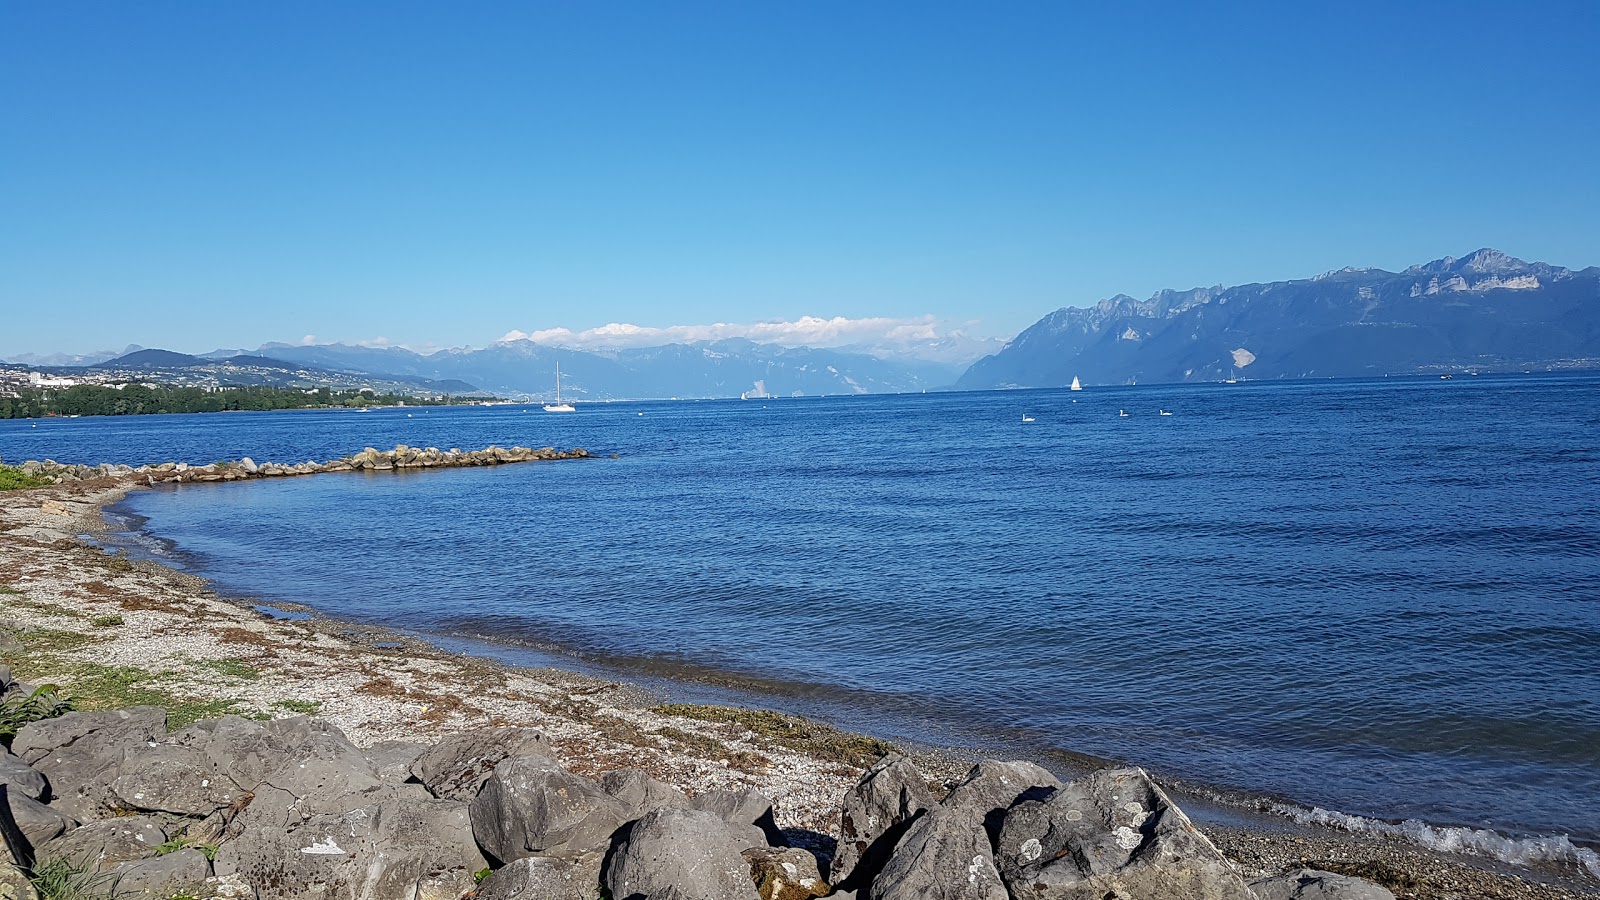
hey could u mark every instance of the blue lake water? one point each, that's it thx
(1380, 597)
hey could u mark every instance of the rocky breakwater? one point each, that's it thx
(401, 457)
(238, 808)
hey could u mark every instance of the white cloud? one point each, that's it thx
(807, 331)
(308, 340)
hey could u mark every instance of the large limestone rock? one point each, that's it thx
(639, 792)
(992, 787)
(162, 877)
(320, 773)
(1314, 884)
(679, 854)
(530, 806)
(1114, 833)
(948, 852)
(544, 878)
(747, 812)
(245, 752)
(943, 855)
(876, 813)
(172, 779)
(77, 752)
(37, 822)
(457, 766)
(412, 849)
(101, 846)
(392, 760)
(22, 778)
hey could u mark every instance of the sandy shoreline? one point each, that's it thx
(109, 629)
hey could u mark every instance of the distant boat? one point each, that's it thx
(558, 406)
(1231, 381)
(1027, 418)
(1076, 385)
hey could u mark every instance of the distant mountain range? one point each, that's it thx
(725, 368)
(523, 369)
(1486, 311)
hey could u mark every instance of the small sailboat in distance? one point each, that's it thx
(558, 406)
(1076, 385)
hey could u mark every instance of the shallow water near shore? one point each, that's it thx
(1375, 597)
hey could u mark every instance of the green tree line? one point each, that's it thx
(141, 399)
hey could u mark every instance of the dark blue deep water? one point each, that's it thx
(1377, 597)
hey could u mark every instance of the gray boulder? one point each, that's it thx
(530, 806)
(172, 779)
(639, 792)
(392, 760)
(457, 766)
(544, 878)
(748, 813)
(163, 876)
(876, 813)
(321, 773)
(411, 849)
(788, 873)
(245, 752)
(78, 750)
(1114, 833)
(679, 854)
(1314, 884)
(991, 788)
(22, 778)
(943, 855)
(37, 822)
(100, 847)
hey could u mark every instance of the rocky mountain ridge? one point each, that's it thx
(1486, 311)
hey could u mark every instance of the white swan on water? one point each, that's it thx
(1122, 413)
(1027, 418)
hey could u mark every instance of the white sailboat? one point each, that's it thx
(1076, 385)
(558, 406)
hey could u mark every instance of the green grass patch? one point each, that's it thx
(47, 608)
(796, 733)
(231, 668)
(8, 589)
(695, 743)
(13, 478)
(43, 703)
(106, 621)
(300, 707)
(52, 640)
(184, 842)
(61, 880)
(92, 686)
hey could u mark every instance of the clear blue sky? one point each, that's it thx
(195, 175)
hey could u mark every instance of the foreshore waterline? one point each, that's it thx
(95, 494)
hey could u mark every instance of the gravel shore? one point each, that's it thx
(108, 629)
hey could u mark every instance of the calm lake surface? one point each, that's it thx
(1378, 597)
